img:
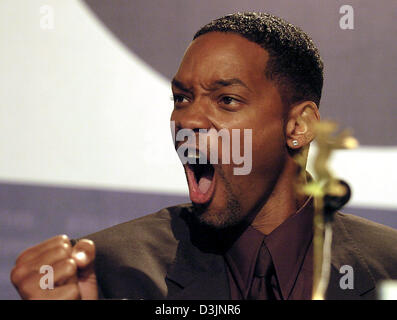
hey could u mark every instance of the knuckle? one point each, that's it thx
(57, 241)
(17, 273)
(61, 252)
(67, 248)
(13, 275)
(70, 267)
(87, 242)
(62, 239)
(86, 245)
(23, 255)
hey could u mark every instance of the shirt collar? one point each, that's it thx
(288, 245)
(241, 258)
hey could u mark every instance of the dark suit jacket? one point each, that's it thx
(154, 257)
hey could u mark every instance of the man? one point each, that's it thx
(244, 236)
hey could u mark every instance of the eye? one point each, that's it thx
(229, 103)
(227, 100)
(178, 98)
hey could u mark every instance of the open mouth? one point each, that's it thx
(201, 180)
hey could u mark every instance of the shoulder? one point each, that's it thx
(367, 230)
(132, 258)
(377, 243)
(161, 226)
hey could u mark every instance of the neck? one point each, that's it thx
(283, 202)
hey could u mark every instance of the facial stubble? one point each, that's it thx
(220, 219)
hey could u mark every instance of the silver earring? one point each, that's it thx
(295, 143)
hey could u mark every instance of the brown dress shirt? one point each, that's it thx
(290, 247)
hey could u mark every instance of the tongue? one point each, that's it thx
(205, 183)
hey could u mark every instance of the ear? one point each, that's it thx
(300, 124)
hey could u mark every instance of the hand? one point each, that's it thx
(74, 274)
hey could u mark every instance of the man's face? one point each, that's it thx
(221, 84)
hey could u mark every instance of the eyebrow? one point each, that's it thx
(228, 82)
(214, 86)
(180, 86)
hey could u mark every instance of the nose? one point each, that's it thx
(193, 117)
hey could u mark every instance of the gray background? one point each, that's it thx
(360, 68)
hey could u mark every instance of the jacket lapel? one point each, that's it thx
(196, 275)
(347, 258)
(199, 275)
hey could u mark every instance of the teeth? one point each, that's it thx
(194, 156)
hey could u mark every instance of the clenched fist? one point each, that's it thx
(74, 274)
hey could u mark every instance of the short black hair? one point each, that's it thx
(294, 61)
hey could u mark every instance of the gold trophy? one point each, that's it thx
(330, 194)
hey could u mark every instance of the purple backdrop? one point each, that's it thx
(359, 92)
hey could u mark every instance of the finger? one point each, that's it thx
(65, 292)
(37, 286)
(32, 252)
(84, 253)
(49, 257)
(61, 273)
(65, 272)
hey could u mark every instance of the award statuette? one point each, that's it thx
(330, 194)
